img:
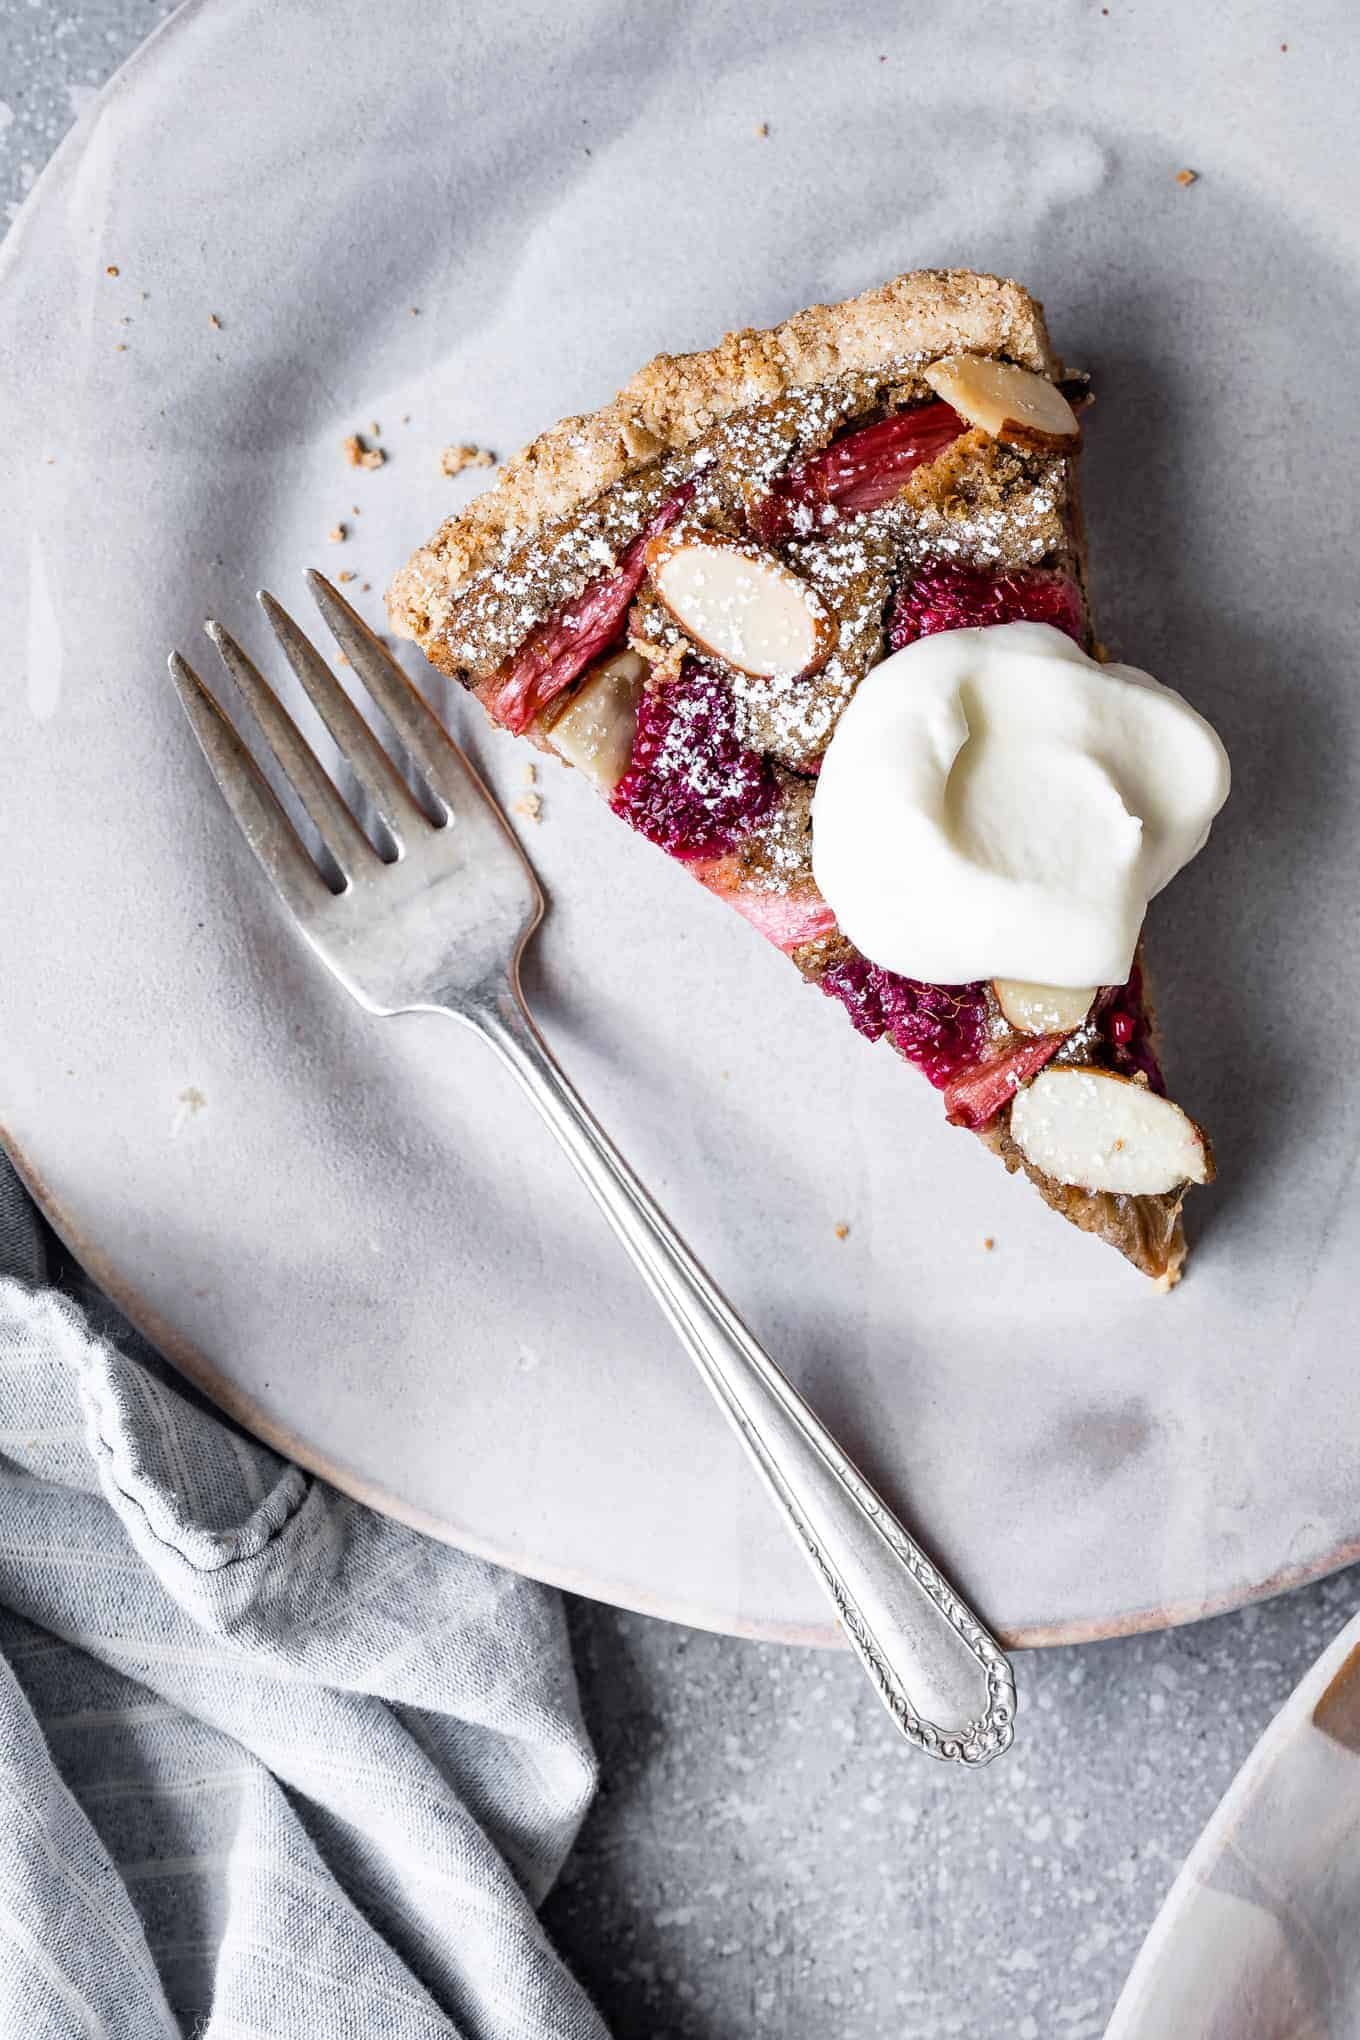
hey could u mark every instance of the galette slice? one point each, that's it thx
(810, 611)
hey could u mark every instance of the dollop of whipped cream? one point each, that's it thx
(994, 803)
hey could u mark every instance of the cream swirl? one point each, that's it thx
(994, 803)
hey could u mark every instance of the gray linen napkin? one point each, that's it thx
(270, 1764)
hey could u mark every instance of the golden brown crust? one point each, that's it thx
(675, 399)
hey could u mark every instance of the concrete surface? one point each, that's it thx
(765, 1857)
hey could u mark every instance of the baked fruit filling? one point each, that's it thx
(681, 596)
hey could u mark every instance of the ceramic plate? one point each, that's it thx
(1256, 1940)
(459, 224)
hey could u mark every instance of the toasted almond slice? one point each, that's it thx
(740, 603)
(595, 730)
(1042, 1009)
(1104, 1132)
(1011, 403)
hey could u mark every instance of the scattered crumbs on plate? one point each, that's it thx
(530, 805)
(121, 348)
(531, 775)
(1186, 177)
(338, 533)
(414, 311)
(112, 269)
(51, 460)
(1283, 47)
(375, 430)
(214, 322)
(364, 587)
(762, 130)
(453, 459)
(346, 574)
(989, 1243)
(361, 456)
(406, 417)
(354, 509)
(343, 659)
(842, 1231)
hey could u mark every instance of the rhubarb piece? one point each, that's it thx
(740, 603)
(1013, 404)
(861, 470)
(975, 1095)
(1105, 1132)
(560, 648)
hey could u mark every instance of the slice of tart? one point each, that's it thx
(809, 610)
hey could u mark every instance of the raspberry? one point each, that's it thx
(940, 1028)
(692, 786)
(950, 596)
(859, 471)
(560, 648)
(1124, 1022)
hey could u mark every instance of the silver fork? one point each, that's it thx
(437, 920)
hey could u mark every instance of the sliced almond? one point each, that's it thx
(1011, 403)
(740, 603)
(595, 730)
(1104, 1132)
(1042, 1009)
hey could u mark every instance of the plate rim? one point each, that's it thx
(242, 1409)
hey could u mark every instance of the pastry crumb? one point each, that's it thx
(345, 574)
(531, 775)
(338, 533)
(1185, 177)
(364, 587)
(762, 129)
(454, 459)
(989, 1244)
(530, 805)
(842, 1231)
(414, 310)
(111, 269)
(214, 322)
(361, 456)
(121, 348)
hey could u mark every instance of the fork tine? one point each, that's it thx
(248, 794)
(365, 756)
(429, 744)
(334, 823)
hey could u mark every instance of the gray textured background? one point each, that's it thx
(765, 1856)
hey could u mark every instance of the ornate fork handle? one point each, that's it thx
(943, 1678)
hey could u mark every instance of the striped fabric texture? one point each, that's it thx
(271, 1765)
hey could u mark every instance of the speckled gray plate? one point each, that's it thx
(1256, 1940)
(351, 1232)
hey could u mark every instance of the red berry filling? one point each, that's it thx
(692, 786)
(1126, 1026)
(862, 470)
(951, 596)
(558, 650)
(940, 1028)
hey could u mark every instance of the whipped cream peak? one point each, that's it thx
(994, 803)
